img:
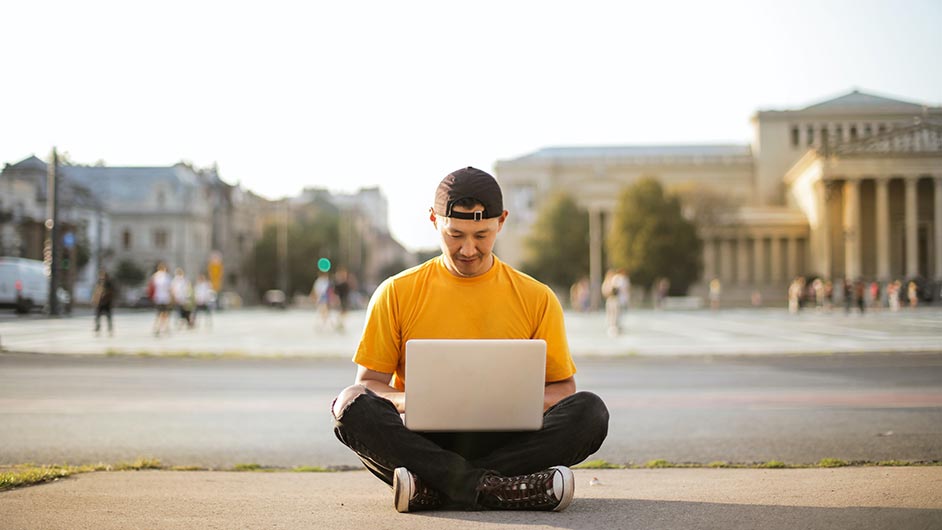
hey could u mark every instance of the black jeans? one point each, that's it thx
(454, 462)
(102, 310)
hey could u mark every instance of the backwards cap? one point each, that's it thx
(469, 183)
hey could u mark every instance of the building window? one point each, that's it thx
(839, 133)
(868, 131)
(810, 135)
(882, 128)
(795, 136)
(126, 239)
(853, 133)
(161, 238)
(161, 199)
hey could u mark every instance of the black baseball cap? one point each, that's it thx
(469, 183)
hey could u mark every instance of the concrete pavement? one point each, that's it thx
(870, 497)
(296, 332)
(867, 497)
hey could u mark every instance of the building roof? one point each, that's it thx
(857, 103)
(629, 152)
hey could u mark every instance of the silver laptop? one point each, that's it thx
(475, 385)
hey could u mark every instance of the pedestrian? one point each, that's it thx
(912, 294)
(159, 290)
(615, 289)
(182, 293)
(860, 295)
(343, 285)
(892, 295)
(320, 295)
(716, 289)
(102, 298)
(203, 297)
(466, 292)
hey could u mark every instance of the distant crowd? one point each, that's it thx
(856, 295)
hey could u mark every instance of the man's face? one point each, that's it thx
(467, 244)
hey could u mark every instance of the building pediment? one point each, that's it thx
(921, 138)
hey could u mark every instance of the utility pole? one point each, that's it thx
(50, 252)
(283, 248)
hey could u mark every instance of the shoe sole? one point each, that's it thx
(403, 489)
(567, 483)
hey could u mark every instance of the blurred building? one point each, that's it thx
(849, 187)
(366, 246)
(176, 214)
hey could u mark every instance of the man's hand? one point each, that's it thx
(378, 382)
(556, 391)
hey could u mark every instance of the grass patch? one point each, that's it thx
(658, 464)
(597, 464)
(832, 462)
(772, 464)
(188, 468)
(137, 465)
(29, 475)
(718, 464)
(254, 468)
(311, 469)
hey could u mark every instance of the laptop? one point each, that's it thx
(475, 385)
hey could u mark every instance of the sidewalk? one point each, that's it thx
(865, 497)
(268, 332)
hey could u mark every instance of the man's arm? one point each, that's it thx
(378, 382)
(556, 391)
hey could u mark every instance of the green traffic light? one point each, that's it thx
(323, 264)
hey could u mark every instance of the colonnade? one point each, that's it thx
(754, 258)
(851, 225)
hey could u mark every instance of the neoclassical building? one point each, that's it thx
(847, 188)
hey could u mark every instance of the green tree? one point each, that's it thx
(651, 238)
(557, 250)
(129, 273)
(313, 233)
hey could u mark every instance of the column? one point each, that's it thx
(595, 257)
(937, 228)
(821, 235)
(709, 259)
(912, 254)
(883, 228)
(758, 261)
(851, 229)
(742, 264)
(726, 259)
(793, 265)
(776, 257)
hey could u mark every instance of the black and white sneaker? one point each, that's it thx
(411, 495)
(550, 489)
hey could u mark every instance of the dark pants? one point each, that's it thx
(99, 311)
(453, 463)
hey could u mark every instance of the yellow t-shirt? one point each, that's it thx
(428, 302)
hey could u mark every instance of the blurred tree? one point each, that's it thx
(129, 273)
(651, 238)
(313, 233)
(557, 250)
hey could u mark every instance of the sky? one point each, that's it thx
(284, 95)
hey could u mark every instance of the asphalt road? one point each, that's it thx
(220, 412)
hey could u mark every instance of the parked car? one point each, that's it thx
(275, 298)
(24, 285)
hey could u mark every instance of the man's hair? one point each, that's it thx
(467, 202)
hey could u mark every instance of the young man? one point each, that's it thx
(466, 293)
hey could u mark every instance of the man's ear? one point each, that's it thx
(501, 219)
(431, 217)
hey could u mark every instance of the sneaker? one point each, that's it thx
(411, 495)
(550, 489)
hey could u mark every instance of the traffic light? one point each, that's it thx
(323, 264)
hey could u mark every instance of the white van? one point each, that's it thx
(24, 284)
